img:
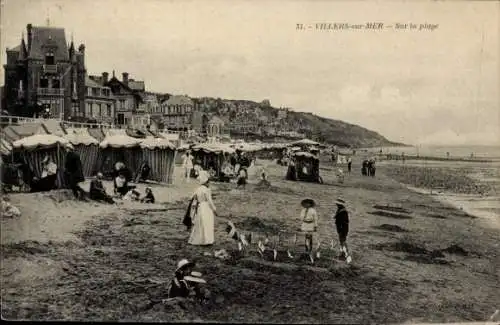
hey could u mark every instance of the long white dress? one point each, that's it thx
(203, 217)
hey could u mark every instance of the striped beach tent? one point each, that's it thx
(87, 148)
(97, 133)
(5, 147)
(34, 148)
(117, 146)
(159, 153)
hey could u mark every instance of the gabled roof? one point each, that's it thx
(51, 37)
(113, 83)
(91, 83)
(136, 85)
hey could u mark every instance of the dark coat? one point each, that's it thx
(73, 167)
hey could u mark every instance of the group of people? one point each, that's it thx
(200, 219)
(309, 226)
(121, 188)
(235, 165)
(368, 167)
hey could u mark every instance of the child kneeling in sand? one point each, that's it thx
(186, 282)
(309, 226)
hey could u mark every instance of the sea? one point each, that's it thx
(485, 207)
(484, 152)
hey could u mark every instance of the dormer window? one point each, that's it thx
(49, 58)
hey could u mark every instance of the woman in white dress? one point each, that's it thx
(203, 217)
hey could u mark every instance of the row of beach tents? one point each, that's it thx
(99, 149)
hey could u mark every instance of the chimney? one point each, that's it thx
(125, 78)
(29, 28)
(105, 76)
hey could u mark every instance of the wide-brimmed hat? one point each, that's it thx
(340, 201)
(183, 264)
(203, 177)
(308, 203)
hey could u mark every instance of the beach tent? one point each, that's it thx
(305, 142)
(34, 148)
(97, 133)
(87, 148)
(118, 146)
(159, 153)
(212, 155)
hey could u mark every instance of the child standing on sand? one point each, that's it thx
(309, 226)
(342, 224)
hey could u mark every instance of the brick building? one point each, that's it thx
(44, 72)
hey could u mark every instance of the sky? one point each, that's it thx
(429, 86)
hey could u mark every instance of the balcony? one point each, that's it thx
(50, 92)
(50, 68)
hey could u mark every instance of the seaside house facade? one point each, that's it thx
(127, 99)
(99, 103)
(45, 74)
(178, 112)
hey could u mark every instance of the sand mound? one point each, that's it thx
(391, 208)
(455, 249)
(414, 252)
(29, 247)
(436, 216)
(389, 215)
(257, 225)
(392, 228)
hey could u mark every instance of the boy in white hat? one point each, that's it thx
(342, 224)
(186, 281)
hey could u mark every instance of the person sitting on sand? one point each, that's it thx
(149, 197)
(186, 282)
(47, 181)
(132, 195)
(309, 226)
(97, 190)
(341, 219)
(121, 185)
(242, 178)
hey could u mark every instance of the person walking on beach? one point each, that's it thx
(341, 219)
(187, 163)
(309, 225)
(349, 165)
(202, 232)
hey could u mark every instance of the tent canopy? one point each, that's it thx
(119, 141)
(305, 155)
(80, 136)
(156, 143)
(305, 142)
(215, 148)
(40, 140)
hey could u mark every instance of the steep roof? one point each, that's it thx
(91, 83)
(52, 37)
(136, 85)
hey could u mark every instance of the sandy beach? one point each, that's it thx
(416, 259)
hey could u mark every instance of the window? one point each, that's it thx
(49, 59)
(44, 83)
(89, 91)
(109, 110)
(56, 83)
